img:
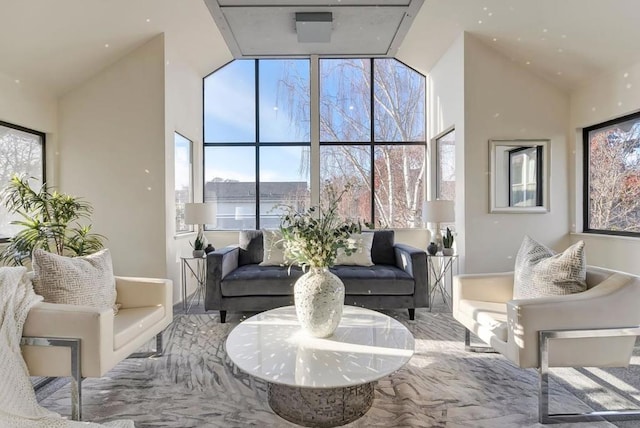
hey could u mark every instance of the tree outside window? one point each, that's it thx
(22, 153)
(612, 177)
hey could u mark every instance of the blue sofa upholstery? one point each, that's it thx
(236, 281)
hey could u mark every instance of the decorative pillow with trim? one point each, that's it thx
(86, 280)
(540, 272)
(362, 255)
(273, 248)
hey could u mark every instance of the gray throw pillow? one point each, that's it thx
(539, 272)
(86, 280)
(251, 247)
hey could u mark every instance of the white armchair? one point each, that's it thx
(81, 341)
(595, 328)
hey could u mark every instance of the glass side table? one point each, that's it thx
(439, 267)
(198, 268)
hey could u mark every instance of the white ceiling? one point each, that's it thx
(58, 44)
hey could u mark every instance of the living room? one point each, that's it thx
(111, 106)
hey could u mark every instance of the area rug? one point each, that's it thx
(195, 385)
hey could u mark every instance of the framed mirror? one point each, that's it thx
(519, 176)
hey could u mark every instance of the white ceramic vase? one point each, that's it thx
(319, 298)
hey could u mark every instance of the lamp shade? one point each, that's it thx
(438, 211)
(200, 213)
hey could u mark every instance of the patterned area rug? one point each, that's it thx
(195, 385)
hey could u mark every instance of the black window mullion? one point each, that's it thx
(257, 143)
(372, 143)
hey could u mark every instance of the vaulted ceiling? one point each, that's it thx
(58, 44)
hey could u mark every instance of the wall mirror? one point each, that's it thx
(519, 178)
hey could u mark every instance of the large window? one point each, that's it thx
(612, 177)
(370, 117)
(183, 177)
(21, 152)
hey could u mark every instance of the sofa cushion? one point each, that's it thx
(130, 323)
(256, 280)
(86, 280)
(539, 272)
(375, 280)
(491, 316)
(251, 247)
(273, 248)
(362, 255)
(382, 252)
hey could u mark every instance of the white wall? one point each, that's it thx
(112, 152)
(607, 97)
(502, 100)
(29, 106)
(445, 110)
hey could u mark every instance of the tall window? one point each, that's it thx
(446, 166)
(21, 152)
(612, 177)
(258, 139)
(183, 175)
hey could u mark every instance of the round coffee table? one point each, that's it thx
(320, 382)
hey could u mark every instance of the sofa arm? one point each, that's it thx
(611, 304)
(414, 261)
(219, 264)
(93, 326)
(487, 287)
(141, 292)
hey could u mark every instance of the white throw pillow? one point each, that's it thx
(362, 255)
(273, 248)
(539, 272)
(86, 280)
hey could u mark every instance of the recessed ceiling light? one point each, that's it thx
(485, 8)
(593, 109)
(106, 45)
(148, 20)
(480, 21)
(564, 36)
(544, 30)
(495, 39)
(619, 103)
(628, 85)
(625, 75)
(490, 13)
(17, 81)
(528, 62)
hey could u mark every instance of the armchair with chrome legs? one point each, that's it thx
(594, 328)
(81, 341)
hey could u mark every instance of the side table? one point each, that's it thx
(198, 268)
(439, 267)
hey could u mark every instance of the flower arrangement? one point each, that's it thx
(312, 237)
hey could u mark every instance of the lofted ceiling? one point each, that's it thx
(56, 45)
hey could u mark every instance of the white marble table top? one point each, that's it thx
(366, 346)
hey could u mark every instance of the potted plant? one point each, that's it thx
(49, 220)
(447, 243)
(311, 240)
(198, 245)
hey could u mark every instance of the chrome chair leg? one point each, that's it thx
(475, 348)
(76, 376)
(544, 337)
(158, 352)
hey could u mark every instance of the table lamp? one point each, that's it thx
(436, 212)
(200, 213)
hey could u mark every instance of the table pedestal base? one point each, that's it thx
(327, 407)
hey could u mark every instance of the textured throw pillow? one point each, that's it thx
(273, 248)
(86, 280)
(539, 272)
(362, 255)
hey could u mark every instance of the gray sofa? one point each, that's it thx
(236, 281)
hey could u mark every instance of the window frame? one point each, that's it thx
(313, 144)
(190, 227)
(586, 178)
(43, 143)
(437, 191)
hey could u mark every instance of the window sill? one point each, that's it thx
(605, 236)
